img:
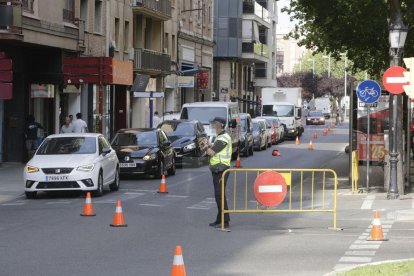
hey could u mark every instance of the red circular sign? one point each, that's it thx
(270, 188)
(393, 79)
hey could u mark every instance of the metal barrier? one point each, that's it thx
(355, 174)
(308, 190)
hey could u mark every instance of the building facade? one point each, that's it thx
(288, 54)
(245, 52)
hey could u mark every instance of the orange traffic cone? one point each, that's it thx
(376, 231)
(87, 207)
(297, 140)
(315, 135)
(310, 146)
(119, 216)
(178, 267)
(325, 132)
(275, 152)
(163, 186)
(238, 164)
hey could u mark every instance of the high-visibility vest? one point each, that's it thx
(224, 156)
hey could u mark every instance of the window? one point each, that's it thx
(98, 16)
(28, 6)
(116, 33)
(173, 49)
(68, 11)
(167, 43)
(126, 36)
(84, 11)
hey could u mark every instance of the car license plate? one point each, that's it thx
(57, 178)
(127, 165)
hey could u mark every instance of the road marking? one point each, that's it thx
(360, 253)
(344, 266)
(205, 204)
(162, 201)
(13, 204)
(367, 204)
(58, 202)
(364, 246)
(355, 259)
(123, 197)
(149, 204)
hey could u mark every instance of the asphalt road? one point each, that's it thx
(47, 236)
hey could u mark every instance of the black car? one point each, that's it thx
(246, 134)
(144, 151)
(189, 140)
(315, 118)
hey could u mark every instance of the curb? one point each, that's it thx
(335, 273)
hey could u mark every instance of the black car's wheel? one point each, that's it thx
(160, 171)
(30, 195)
(99, 190)
(115, 185)
(171, 171)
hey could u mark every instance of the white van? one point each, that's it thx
(206, 111)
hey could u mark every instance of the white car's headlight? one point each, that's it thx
(31, 169)
(190, 147)
(149, 157)
(86, 168)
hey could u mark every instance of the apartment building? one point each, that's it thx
(288, 53)
(245, 52)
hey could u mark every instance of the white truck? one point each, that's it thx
(286, 104)
(324, 104)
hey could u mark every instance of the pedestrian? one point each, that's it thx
(220, 157)
(156, 119)
(337, 117)
(71, 118)
(79, 125)
(343, 114)
(67, 126)
(31, 135)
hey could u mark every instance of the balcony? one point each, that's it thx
(159, 9)
(255, 51)
(251, 7)
(10, 20)
(152, 62)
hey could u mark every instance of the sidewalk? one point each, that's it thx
(11, 181)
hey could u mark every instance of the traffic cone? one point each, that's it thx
(238, 164)
(297, 140)
(315, 135)
(163, 186)
(376, 231)
(276, 153)
(87, 207)
(325, 132)
(178, 267)
(119, 216)
(310, 146)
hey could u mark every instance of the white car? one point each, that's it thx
(72, 162)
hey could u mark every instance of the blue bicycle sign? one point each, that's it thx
(368, 91)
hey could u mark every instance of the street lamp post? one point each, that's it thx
(397, 36)
(329, 64)
(345, 79)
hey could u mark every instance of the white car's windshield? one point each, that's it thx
(68, 145)
(203, 114)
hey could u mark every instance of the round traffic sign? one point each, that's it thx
(270, 188)
(393, 79)
(368, 91)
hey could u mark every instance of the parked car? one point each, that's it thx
(259, 134)
(246, 134)
(72, 162)
(275, 127)
(268, 131)
(189, 140)
(315, 117)
(144, 151)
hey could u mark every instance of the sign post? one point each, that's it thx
(368, 92)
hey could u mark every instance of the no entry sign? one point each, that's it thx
(393, 79)
(270, 188)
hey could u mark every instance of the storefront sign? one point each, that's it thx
(203, 78)
(121, 72)
(185, 81)
(42, 90)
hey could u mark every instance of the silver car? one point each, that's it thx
(259, 134)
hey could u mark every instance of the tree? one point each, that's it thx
(359, 28)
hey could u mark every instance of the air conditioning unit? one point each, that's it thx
(131, 53)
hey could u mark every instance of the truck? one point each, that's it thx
(323, 104)
(286, 104)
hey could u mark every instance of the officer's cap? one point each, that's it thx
(219, 120)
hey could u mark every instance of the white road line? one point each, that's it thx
(13, 204)
(360, 253)
(149, 204)
(179, 196)
(367, 204)
(355, 259)
(58, 202)
(344, 266)
(198, 208)
(365, 246)
(367, 242)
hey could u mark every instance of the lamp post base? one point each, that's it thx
(393, 196)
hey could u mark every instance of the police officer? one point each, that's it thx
(220, 157)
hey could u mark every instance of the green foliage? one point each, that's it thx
(359, 28)
(395, 269)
